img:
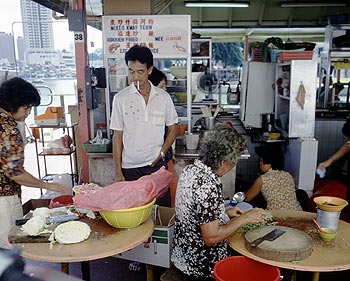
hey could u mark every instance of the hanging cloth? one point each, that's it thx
(301, 95)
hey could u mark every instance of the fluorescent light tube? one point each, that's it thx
(312, 4)
(213, 4)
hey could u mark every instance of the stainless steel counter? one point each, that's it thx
(182, 153)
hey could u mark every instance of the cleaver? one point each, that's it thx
(272, 235)
(55, 219)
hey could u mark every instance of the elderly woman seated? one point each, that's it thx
(202, 224)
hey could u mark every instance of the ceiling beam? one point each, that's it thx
(261, 11)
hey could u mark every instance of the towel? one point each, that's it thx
(301, 95)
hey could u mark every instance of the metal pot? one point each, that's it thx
(267, 121)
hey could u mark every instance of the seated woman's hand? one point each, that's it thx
(234, 212)
(254, 215)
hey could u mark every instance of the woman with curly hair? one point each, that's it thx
(202, 224)
(17, 97)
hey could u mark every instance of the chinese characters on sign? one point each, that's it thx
(166, 35)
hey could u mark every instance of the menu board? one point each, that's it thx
(164, 35)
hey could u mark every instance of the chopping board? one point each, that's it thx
(293, 245)
(99, 228)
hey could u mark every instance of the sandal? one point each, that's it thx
(135, 266)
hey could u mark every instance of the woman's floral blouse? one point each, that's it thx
(278, 190)
(12, 154)
(199, 200)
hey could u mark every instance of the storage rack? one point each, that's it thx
(70, 131)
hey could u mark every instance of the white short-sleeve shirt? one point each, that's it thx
(142, 125)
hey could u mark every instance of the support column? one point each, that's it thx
(82, 61)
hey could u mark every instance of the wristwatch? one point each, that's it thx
(162, 155)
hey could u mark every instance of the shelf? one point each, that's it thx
(57, 154)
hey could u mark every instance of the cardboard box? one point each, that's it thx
(156, 250)
(35, 203)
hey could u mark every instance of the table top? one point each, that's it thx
(326, 256)
(104, 241)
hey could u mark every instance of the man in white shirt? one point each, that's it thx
(140, 114)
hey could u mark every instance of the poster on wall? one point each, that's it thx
(165, 35)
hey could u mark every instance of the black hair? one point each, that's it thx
(141, 54)
(18, 92)
(156, 76)
(273, 155)
(346, 127)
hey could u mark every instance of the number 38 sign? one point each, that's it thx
(78, 37)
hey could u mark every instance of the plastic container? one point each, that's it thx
(60, 201)
(192, 141)
(97, 148)
(244, 269)
(128, 218)
(288, 56)
(274, 54)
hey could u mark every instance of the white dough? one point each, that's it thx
(72, 232)
(34, 226)
(42, 212)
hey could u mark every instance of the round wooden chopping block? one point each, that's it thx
(293, 245)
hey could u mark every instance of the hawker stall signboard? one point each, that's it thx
(166, 36)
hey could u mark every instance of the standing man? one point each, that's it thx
(140, 114)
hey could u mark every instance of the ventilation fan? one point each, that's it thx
(208, 83)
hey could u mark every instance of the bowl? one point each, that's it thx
(330, 204)
(60, 201)
(274, 136)
(182, 97)
(179, 72)
(331, 233)
(128, 218)
(88, 188)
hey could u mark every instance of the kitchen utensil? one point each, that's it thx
(274, 136)
(328, 219)
(328, 235)
(237, 198)
(330, 204)
(272, 235)
(209, 122)
(54, 219)
(216, 111)
(320, 229)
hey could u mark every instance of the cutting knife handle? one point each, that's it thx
(256, 242)
(21, 221)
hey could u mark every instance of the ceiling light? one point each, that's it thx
(213, 4)
(312, 4)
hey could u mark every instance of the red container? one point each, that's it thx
(288, 56)
(63, 200)
(244, 269)
(256, 54)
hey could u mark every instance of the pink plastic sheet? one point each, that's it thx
(126, 194)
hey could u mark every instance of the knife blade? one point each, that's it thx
(54, 219)
(272, 235)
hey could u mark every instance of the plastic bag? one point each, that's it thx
(126, 194)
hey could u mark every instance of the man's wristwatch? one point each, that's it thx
(162, 155)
